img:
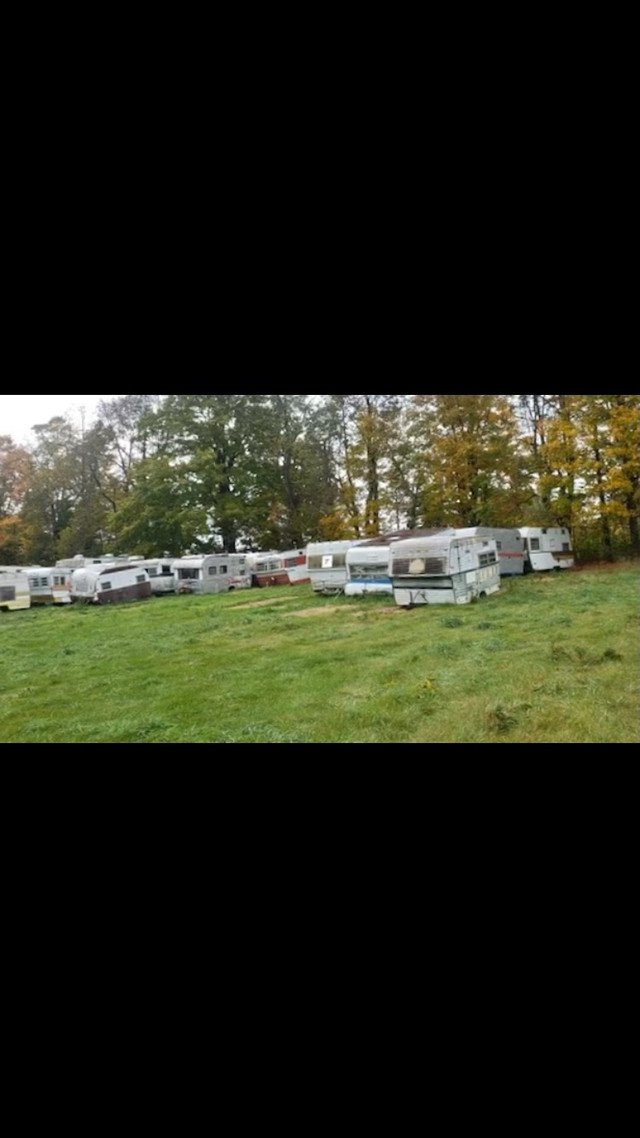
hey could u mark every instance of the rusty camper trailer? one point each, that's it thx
(273, 568)
(110, 584)
(211, 573)
(443, 569)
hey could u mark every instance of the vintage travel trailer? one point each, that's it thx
(110, 584)
(443, 569)
(49, 586)
(510, 543)
(327, 561)
(288, 568)
(161, 577)
(295, 563)
(14, 589)
(367, 569)
(211, 573)
(547, 547)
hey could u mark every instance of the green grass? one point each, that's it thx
(552, 658)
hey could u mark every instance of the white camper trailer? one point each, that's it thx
(547, 547)
(510, 544)
(161, 576)
(367, 568)
(110, 584)
(327, 563)
(49, 586)
(443, 569)
(14, 589)
(211, 573)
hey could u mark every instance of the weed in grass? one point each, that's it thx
(502, 719)
(452, 622)
(578, 656)
(450, 651)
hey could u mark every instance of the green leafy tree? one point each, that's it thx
(52, 490)
(469, 460)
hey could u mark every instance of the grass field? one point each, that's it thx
(552, 658)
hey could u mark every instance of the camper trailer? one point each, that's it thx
(547, 548)
(288, 568)
(327, 561)
(510, 544)
(49, 586)
(110, 584)
(211, 573)
(367, 569)
(161, 576)
(443, 569)
(14, 589)
(297, 569)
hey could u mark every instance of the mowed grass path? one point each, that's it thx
(552, 658)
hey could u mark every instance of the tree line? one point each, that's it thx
(156, 473)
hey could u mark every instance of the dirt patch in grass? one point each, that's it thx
(258, 604)
(319, 611)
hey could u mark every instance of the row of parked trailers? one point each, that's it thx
(442, 566)
(108, 580)
(438, 566)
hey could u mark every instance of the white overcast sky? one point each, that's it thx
(19, 413)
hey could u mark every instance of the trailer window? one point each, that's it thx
(140, 579)
(487, 558)
(106, 585)
(188, 574)
(566, 548)
(7, 593)
(535, 544)
(368, 571)
(224, 569)
(213, 570)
